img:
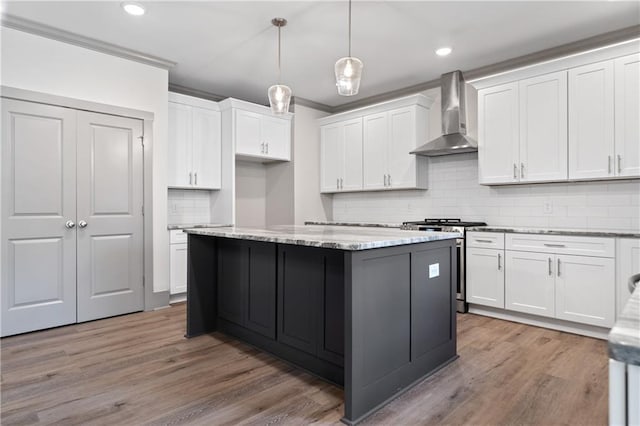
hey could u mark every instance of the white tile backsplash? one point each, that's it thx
(454, 192)
(187, 206)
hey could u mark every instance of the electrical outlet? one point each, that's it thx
(548, 207)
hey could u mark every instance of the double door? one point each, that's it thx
(260, 136)
(72, 225)
(341, 156)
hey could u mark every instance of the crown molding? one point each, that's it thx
(184, 90)
(36, 28)
(311, 104)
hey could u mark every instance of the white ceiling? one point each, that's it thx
(229, 48)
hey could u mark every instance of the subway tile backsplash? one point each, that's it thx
(454, 192)
(186, 206)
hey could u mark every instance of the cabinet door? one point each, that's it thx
(585, 290)
(178, 265)
(276, 135)
(498, 147)
(233, 268)
(206, 148)
(530, 283)
(352, 155)
(543, 128)
(179, 161)
(376, 137)
(627, 120)
(247, 128)
(591, 146)
(485, 277)
(261, 289)
(628, 264)
(331, 157)
(402, 140)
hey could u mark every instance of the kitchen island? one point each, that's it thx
(370, 309)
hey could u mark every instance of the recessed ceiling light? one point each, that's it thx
(443, 51)
(133, 8)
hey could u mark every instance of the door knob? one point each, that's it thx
(82, 224)
(70, 224)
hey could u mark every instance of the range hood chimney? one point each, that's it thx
(454, 139)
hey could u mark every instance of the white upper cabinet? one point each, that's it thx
(369, 148)
(256, 133)
(627, 115)
(591, 144)
(543, 128)
(498, 147)
(194, 143)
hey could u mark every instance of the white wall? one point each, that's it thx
(309, 203)
(251, 194)
(454, 192)
(43, 65)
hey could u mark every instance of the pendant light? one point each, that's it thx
(348, 70)
(279, 94)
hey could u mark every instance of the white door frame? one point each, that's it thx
(151, 300)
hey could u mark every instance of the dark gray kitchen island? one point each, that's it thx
(370, 309)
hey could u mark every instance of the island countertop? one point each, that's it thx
(624, 338)
(333, 237)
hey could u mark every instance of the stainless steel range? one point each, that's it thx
(449, 225)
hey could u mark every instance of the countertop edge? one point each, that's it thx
(624, 337)
(542, 231)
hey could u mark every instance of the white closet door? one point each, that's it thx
(110, 200)
(591, 147)
(179, 143)
(543, 128)
(627, 121)
(38, 198)
(207, 150)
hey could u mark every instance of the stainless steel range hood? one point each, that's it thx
(454, 139)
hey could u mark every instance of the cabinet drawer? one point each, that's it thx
(561, 244)
(177, 236)
(494, 240)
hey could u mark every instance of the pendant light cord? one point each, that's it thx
(279, 70)
(349, 28)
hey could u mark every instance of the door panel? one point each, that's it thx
(485, 277)
(498, 146)
(110, 200)
(178, 260)
(38, 196)
(179, 144)
(247, 129)
(530, 283)
(207, 152)
(376, 135)
(276, 134)
(261, 289)
(627, 120)
(332, 158)
(591, 143)
(352, 155)
(233, 269)
(402, 140)
(543, 128)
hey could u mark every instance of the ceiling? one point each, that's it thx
(229, 47)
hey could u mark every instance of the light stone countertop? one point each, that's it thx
(196, 225)
(364, 224)
(624, 338)
(333, 237)
(557, 231)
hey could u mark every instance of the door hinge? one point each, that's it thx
(141, 140)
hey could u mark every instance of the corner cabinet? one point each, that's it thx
(257, 134)
(194, 143)
(369, 149)
(576, 118)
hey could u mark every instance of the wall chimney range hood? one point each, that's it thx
(454, 139)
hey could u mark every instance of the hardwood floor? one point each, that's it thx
(139, 369)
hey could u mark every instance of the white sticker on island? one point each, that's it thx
(434, 270)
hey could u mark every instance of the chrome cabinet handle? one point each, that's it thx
(70, 224)
(609, 164)
(522, 170)
(262, 148)
(515, 171)
(389, 180)
(484, 241)
(82, 224)
(341, 183)
(550, 271)
(554, 245)
(195, 178)
(384, 177)
(190, 178)
(267, 147)
(337, 183)
(558, 267)
(619, 164)
(499, 261)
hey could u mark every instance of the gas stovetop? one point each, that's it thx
(445, 224)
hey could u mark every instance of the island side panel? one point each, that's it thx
(386, 353)
(202, 287)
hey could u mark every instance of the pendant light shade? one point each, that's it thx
(348, 70)
(279, 94)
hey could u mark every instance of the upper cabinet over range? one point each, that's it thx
(194, 143)
(577, 118)
(256, 133)
(368, 149)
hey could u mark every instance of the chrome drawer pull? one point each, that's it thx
(554, 245)
(484, 241)
(499, 259)
(558, 267)
(550, 271)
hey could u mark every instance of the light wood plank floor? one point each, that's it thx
(138, 369)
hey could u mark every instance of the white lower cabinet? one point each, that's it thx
(530, 283)
(178, 262)
(485, 276)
